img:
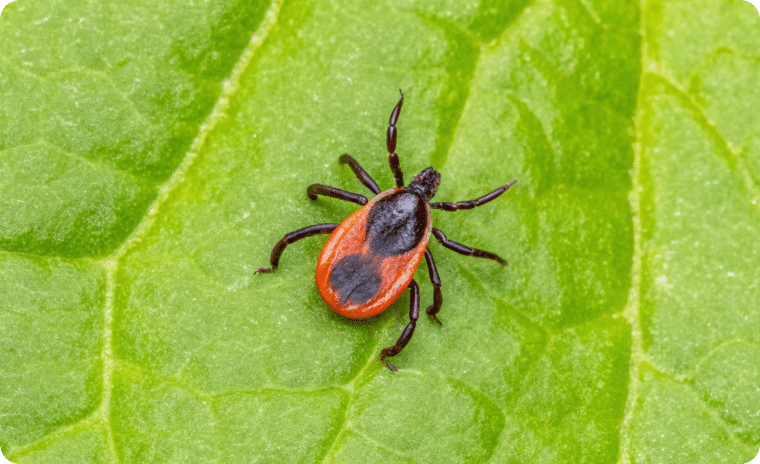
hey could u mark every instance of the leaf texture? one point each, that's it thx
(152, 153)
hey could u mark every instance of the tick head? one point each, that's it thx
(426, 183)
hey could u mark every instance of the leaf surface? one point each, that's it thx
(153, 153)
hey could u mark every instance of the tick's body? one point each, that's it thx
(369, 260)
(371, 257)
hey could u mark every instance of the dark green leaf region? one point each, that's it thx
(152, 154)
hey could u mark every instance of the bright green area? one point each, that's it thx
(51, 341)
(625, 328)
(100, 102)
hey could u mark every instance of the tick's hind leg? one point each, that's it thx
(436, 281)
(449, 206)
(465, 250)
(294, 237)
(360, 173)
(414, 313)
(325, 190)
(390, 142)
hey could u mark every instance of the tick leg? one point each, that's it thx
(360, 173)
(436, 281)
(325, 190)
(390, 143)
(295, 236)
(414, 313)
(449, 206)
(465, 250)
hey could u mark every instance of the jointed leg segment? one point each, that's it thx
(436, 281)
(360, 173)
(294, 237)
(406, 335)
(465, 250)
(390, 143)
(325, 190)
(450, 206)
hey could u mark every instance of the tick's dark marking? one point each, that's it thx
(396, 224)
(357, 279)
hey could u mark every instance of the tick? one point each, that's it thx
(370, 258)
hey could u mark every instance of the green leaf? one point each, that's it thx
(152, 153)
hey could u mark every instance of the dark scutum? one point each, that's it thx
(396, 224)
(357, 280)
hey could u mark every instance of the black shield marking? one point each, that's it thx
(396, 224)
(356, 279)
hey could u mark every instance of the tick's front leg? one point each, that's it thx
(390, 143)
